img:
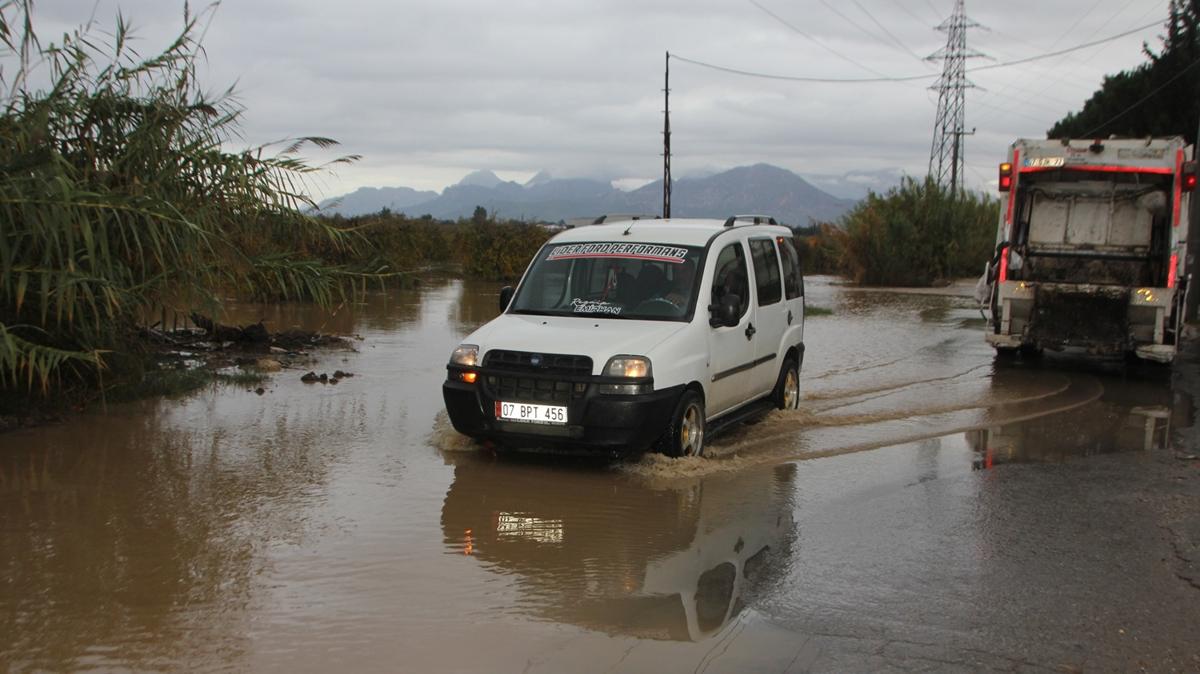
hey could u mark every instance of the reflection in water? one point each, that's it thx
(479, 304)
(613, 554)
(1127, 415)
(376, 310)
(138, 539)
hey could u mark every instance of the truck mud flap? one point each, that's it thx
(1097, 319)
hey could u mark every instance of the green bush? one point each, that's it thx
(918, 234)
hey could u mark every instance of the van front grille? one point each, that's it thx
(534, 390)
(539, 363)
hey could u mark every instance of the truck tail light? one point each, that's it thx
(1003, 274)
(1005, 176)
(1188, 180)
(1171, 272)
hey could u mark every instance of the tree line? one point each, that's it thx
(1161, 97)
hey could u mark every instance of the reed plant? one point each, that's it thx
(120, 197)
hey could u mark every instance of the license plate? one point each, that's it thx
(531, 414)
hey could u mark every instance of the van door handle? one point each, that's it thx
(750, 331)
(789, 316)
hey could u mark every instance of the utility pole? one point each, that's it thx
(666, 209)
(946, 155)
(958, 134)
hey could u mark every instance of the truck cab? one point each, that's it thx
(1091, 247)
(637, 334)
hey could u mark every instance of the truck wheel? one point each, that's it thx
(787, 389)
(685, 436)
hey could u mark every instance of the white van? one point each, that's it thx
(636, 335)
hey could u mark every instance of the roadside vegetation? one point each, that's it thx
(917, 234)
(120, 200)
(480, 247)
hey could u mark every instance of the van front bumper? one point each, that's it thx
(598, 423)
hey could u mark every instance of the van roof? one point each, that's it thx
(682, 231)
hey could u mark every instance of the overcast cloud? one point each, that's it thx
(429, 91)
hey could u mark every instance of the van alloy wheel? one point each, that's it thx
(691, 431)
(685, 433)
(791, 390)
(786, 395)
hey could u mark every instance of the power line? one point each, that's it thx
(909, 12)
(1068, 50)
(850, 21)
(812, 39)
(908, 78)
(886, 31)
(1055, 78)
(791, 78)
(1145, 98)
(1078, 21)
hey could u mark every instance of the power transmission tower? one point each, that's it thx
(666, 209)
(946, 155)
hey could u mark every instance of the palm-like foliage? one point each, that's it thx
(119, 197)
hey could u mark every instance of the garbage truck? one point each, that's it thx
(1091, 247)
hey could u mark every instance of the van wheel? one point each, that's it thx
(685, 436)
(787, 390)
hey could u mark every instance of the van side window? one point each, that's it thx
(793, 282)
(730, 276)
(766, 271)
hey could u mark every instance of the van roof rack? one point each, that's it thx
(755, 219)
(623, 216)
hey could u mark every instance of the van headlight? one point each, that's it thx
(632, 367)
(466, 355)
(627, 366)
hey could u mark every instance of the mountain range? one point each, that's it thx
(761, 188)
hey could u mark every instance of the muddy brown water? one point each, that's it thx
(318, 527)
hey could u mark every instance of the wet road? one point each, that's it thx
(924, 509)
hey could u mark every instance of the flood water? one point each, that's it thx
(319, 527)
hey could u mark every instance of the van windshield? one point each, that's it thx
(647, 281)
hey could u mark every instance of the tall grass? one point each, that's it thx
(119, 196)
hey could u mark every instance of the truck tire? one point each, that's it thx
(685, 435)
(786, 395)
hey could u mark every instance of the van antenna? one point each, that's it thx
(666, 209)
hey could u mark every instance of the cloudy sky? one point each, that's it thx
(429, 91)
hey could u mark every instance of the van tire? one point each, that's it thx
(685, 435)
(786, 395)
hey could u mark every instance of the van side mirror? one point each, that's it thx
(727, 312)
(506, 295)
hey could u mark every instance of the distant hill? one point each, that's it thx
(761, 188)
(375, 199)
(855, 184)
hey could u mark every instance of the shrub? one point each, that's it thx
(919, 234)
